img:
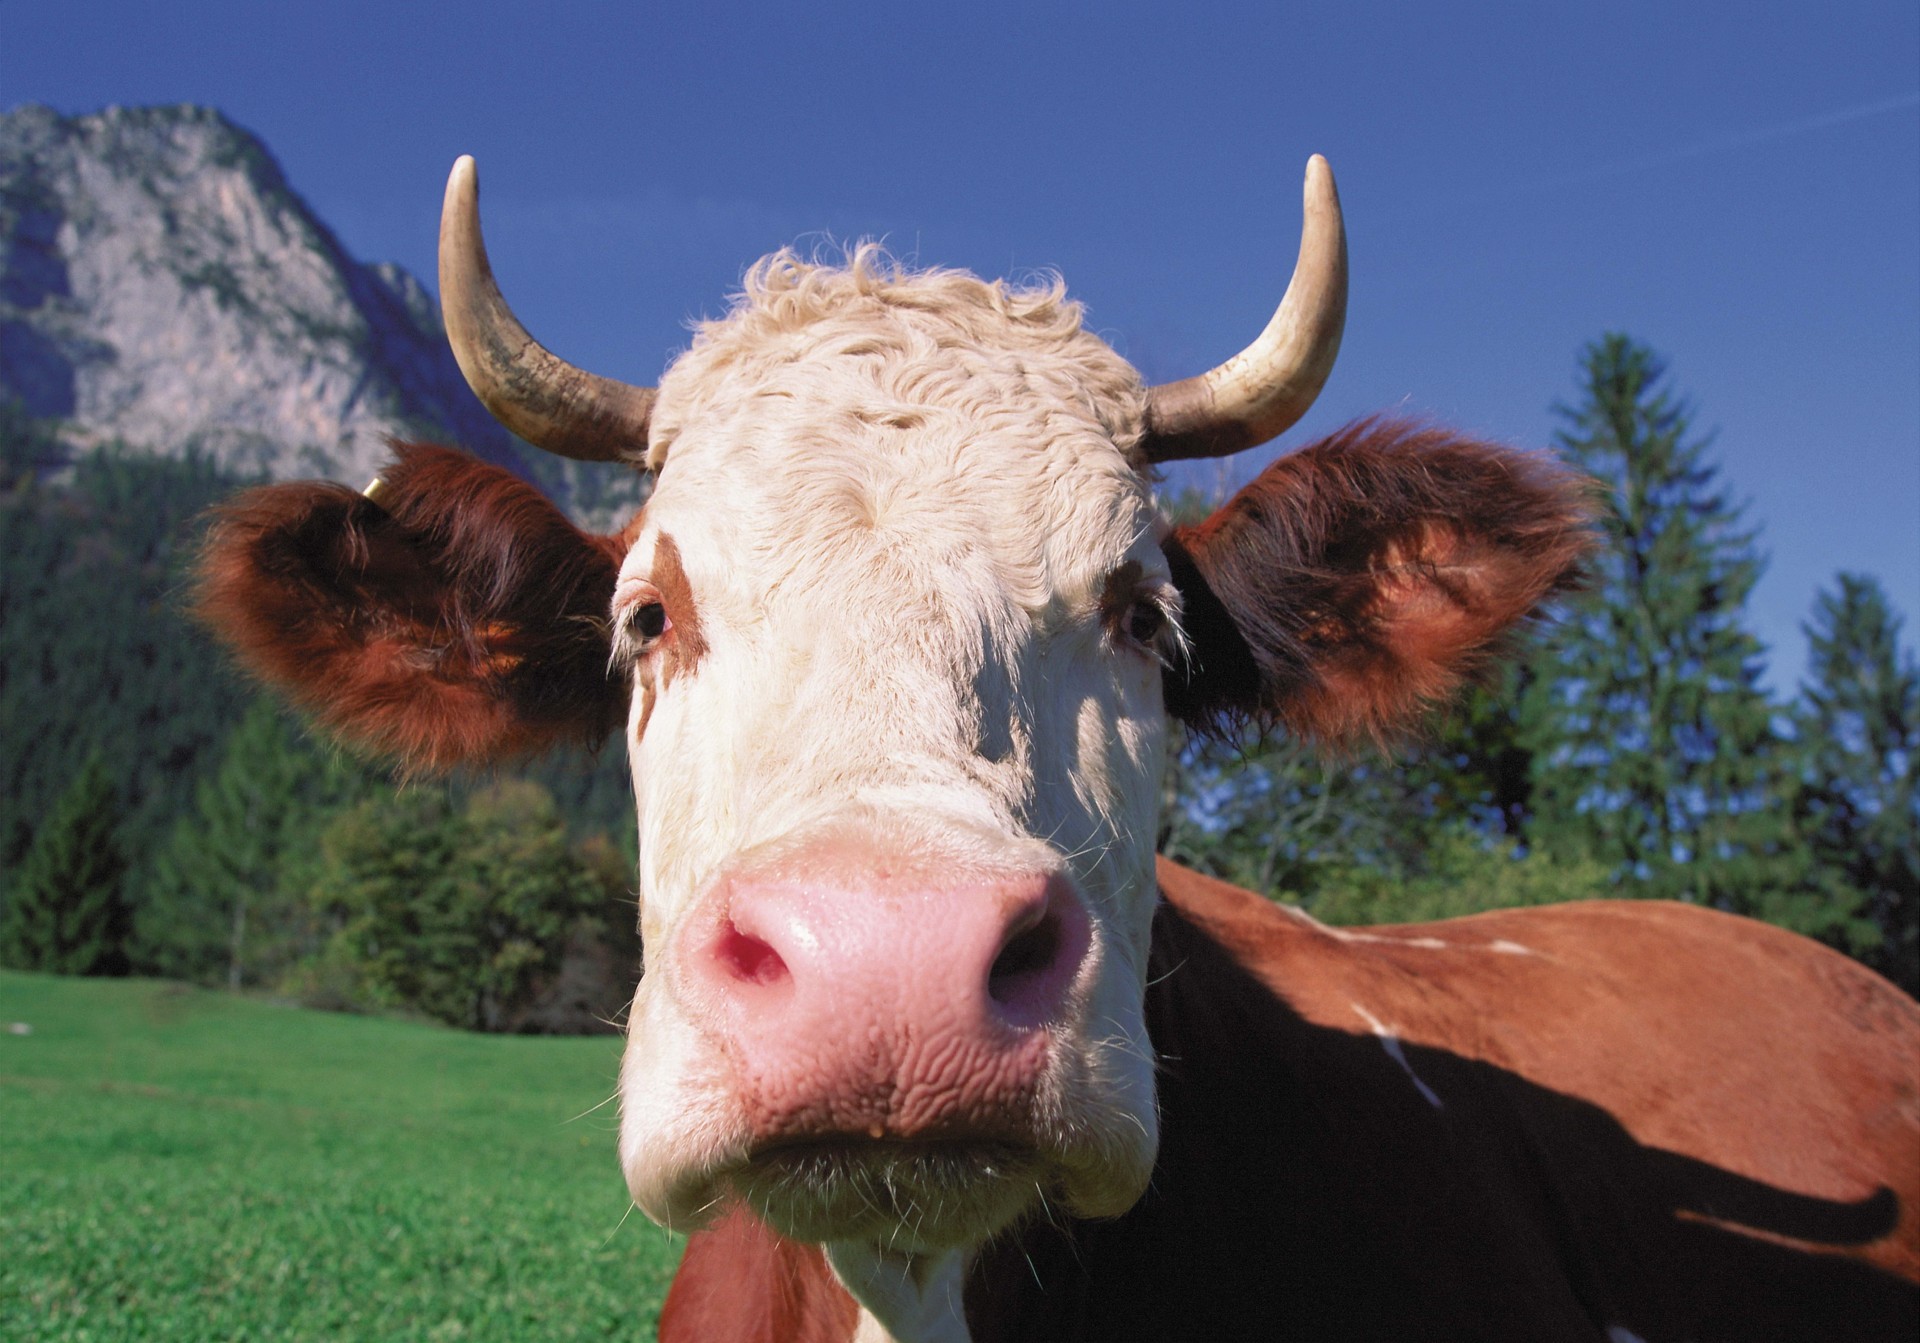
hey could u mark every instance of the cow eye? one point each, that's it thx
(1140, 613)
(648, 622)
(1145, 621)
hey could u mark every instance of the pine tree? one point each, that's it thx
(1654, 746)
(132, 680)
(227, 899)
(27, 445)
(68, 913)
(1858, 801)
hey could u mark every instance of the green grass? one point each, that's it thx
(181, 1164)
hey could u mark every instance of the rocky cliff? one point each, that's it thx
(162, 285)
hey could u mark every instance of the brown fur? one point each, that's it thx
(1365, 576)
(461, 619)
(688, 644)
(1656, 1117)
(744, 1284)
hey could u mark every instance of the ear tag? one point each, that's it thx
(375, 488)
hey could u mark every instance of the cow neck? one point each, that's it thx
(1285, 1146)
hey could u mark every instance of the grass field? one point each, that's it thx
(180, 1164)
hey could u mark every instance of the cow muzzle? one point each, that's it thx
(891, 1030)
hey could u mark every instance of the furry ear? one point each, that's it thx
(1360, 578)
(462, 619)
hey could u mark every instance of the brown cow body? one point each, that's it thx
(1534, 1124)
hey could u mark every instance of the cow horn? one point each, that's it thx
(542, 398)
(1261, 391)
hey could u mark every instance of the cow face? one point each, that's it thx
(895, 618)
(895, 640)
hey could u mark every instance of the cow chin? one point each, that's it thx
(928, 1196)
(915, 1197)
(909, 1196)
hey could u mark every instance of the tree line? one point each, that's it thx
(158, 817)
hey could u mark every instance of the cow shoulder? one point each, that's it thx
(1303, 1188)
(1739, 1094)
(1444, 1132)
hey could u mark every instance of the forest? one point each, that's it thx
(160, 817)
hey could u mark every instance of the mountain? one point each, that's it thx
(162, 285)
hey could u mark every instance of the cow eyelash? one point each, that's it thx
(1149, 622)
(639, 628)
(1146, 621)
(648, 623)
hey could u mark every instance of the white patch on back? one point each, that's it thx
(1390, 1042)
(1424, 943)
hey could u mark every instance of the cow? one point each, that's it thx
(929, 1046)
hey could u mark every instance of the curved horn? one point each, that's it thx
(540, 397)
(1261, 391)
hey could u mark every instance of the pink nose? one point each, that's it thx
(859, 996)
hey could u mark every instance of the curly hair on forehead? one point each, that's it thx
(918, 334)
(792, 291)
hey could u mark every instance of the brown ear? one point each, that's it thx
(461, 619)
(1358, 579)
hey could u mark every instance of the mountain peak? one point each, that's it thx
(162, 285)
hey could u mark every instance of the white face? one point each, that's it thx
(897, 745)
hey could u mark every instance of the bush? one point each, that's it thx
(464, 916)
(1461, 873)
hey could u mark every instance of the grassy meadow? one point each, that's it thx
(185, 1164)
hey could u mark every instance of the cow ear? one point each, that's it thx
(460, 619)
(1361, 578)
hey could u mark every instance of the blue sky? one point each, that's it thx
(1740, 188)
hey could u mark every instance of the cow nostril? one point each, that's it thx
(1027, 955)
(748, 958)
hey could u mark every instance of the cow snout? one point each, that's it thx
(867, 999)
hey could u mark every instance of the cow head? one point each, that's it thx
(895, 640)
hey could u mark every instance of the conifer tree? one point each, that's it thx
(27, 444)
(1858, 803)
(227, 900)
(67, 913)
(131, 679)
(1655, 750)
